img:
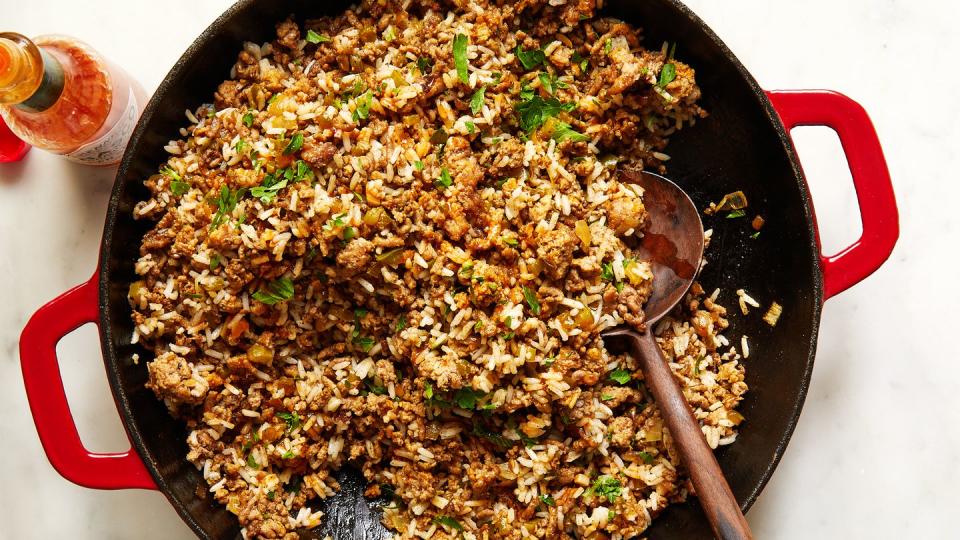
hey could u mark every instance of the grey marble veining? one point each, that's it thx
(877, 450)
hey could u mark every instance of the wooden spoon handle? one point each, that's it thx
(717, 500)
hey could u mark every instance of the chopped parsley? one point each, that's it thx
(547, 500)
(579, 60)
(606, 272)
(512, 242)
(292, 419)
(755, 235)
(550, 82)
(445, 180)
(476, 102)
(313, 37)
(278, 290)
(214, 261)
(428, 390)
(364, 342)
(269, 189)
(667, 75)
(362, 112)
(448, 521)
(563, 132)
(535, 111)
(471, 127)
(466, 398)
(288, 454)
(531, 297)
(252, 462)
(296, 142)
(736, 214)
(425, 64)
(401, 323)
(530, 59)
(608, 46)
(605, 397)
(226, 203)
(495, 438)
(418, 165)
(179, 187)
(620, 376)
(646, 457)
(248, 119)
(460, 42)
(349, 233)
(606, 486)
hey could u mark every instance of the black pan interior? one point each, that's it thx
(740, 145)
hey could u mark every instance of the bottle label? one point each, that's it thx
(108, 149)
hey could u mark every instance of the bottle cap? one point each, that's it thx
(11, 147)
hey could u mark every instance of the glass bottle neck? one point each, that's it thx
(31, 79)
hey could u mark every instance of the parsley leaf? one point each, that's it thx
(646, 457)
(277, 291)
(362, 112)
(292, 419)
(449, 522)
(313, 37)
(579, 60)
(401, 323)
(269, 189)
(466, 398)
(248, 119)
(606, 486)
(531, 298)
(226, 203)
(425, 64)
(547, 500)
(667, 75)
(621, 376)
(606, 272)
(287, 455)
(530, 59)
(252, 462)
(535, 111)
(476, 102)
(460, 57)
(179, 187)
(364, 342)
(214, 261)
(418, 165)
(550, 84)
(736, 214)
(296, 142)
(445, 180)
(563, 132)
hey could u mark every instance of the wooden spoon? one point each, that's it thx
(673, 243)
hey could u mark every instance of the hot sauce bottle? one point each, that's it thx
(58, 94)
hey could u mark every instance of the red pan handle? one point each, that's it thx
(48, 402)
(871, 179)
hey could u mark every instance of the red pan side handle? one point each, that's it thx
(871, 179)
(48, 402)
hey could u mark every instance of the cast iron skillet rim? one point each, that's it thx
(108, 346)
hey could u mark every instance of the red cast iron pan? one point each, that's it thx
(743, 145)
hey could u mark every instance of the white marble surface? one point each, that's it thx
(877, 451)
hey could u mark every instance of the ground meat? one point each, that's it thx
(171, 375)
(317, 154)
(625, 214)
(631, 307)
(355, 256)
(228, 94)
(555, 250)
(288, 34)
